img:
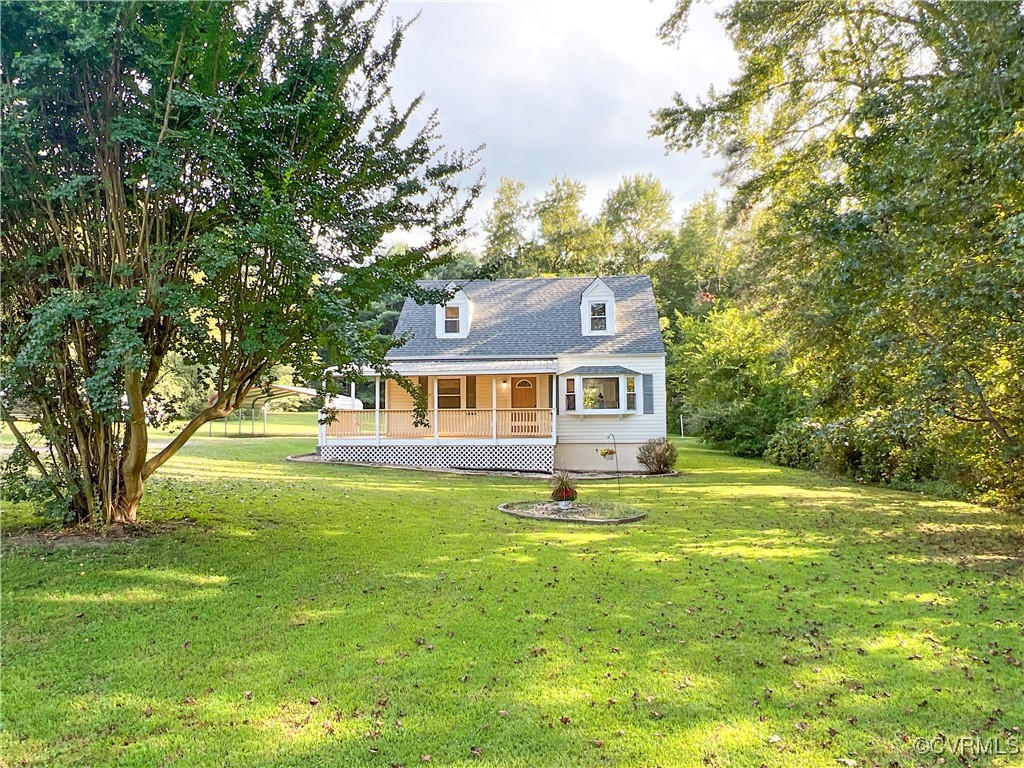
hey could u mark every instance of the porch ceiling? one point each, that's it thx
(471, 367)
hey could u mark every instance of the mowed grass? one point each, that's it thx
(300, 615)
(279, 424)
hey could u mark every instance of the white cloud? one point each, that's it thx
(561, 88)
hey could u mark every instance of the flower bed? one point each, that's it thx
(598, 513)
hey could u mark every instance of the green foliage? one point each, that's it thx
(797, 444)
(15, 479)
(20, 482)
(457, 265)
(552, 235)
(658, 455)
(880, 153)
(701, 263)
(637, 215)
(731, 379)
(183, 388)
(506, 251)
(206, 183)
(567, 242)
(875, 447)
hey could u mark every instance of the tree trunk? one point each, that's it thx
(122, 503)
(103, 466)
(123, 510)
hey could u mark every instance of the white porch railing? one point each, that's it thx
(451, 423)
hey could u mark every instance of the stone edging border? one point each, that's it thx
(581, 520)
(311, 458)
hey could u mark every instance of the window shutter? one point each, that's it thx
(648, 393)
(554, 394)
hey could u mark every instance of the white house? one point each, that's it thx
(533, 374)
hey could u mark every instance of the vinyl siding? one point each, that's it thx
(627, 428)
(398, 399)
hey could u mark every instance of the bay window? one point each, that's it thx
(601, 393)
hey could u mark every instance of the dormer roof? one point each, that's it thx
(534, 317)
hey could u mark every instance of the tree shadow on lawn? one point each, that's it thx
(709, 675)
(831, 618)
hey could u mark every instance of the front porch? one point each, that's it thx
(471, 402)
(389, 425)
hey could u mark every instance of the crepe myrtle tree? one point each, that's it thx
(213, 179)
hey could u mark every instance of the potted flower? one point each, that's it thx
(564, 491)
(607, 453)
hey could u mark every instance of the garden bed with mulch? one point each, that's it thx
(73, 536)
(595, 513)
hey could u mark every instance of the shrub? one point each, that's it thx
(658, 455)
(898, 448)
(19, 482)
(730, 375)
(15, 478)
(796, 444)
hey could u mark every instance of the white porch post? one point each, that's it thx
(376, 408)
(494, 408)
(435, 409)
(553, 389)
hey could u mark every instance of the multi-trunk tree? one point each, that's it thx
(209, 179)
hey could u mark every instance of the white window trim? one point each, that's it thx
(465, 306)
(591, 316)
(622, 410)
(597, 293)
(462, 392)
(457, 319)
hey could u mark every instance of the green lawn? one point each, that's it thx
(279, 424)
(308, 615)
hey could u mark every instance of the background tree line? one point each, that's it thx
(876, 158)
(858, 304)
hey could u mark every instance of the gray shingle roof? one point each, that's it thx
(535, 317)
(600, 370)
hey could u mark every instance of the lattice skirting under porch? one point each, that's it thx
(527, 458)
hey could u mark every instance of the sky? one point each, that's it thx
(561, 88)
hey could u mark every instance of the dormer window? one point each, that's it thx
(451, 320)
(597, 310)
(455, 316)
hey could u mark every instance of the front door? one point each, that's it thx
(524, 392)
(524, 396)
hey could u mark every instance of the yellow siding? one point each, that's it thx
(397, 398)
(483, 392)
